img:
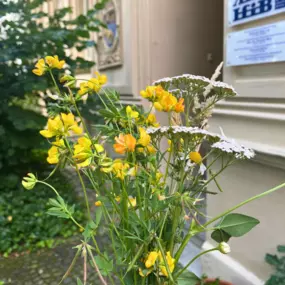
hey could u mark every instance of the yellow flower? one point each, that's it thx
(144, 139)
(132, 202)
(125, 143)
(151, 120)
(94, 85)
(151, 259)
(61, 125)
(54, 62)
(120, 169)
(170, 261)
(130, 113)
(118, 199)
(168, 102)
(9, 218)
(98, 203)
(40, 67)
(83, 88)
(158, 175)
(141, 273)
(149, 92)
(179, 107)
(151, 149)
(83, 153)
(170, 145)
(29, 181)
(195, 157)
(158, 106)
(54, 152)
(152, 93)
(102, 78)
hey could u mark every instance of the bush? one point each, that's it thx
(24, 224)
(23, 39)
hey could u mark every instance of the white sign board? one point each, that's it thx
(242, 11)
(257, 45)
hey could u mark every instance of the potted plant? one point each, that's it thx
(148, 194)
(278, 277)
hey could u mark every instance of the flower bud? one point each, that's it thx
(29, 181)
(66, 78)
(224, 248)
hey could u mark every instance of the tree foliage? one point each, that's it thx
(26, 34)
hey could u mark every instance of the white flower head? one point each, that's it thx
(231, 146)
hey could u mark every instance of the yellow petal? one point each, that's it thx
(77, 130)
(68, 119)
(47, 134)
(99, 148)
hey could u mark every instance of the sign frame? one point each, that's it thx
(244, 11)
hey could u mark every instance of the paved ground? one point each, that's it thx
(44, 268)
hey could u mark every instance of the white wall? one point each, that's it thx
(256, 117)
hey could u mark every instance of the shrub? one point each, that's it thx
(24, 223)
(23, 39)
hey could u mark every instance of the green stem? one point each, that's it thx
(54, 82)
(192, 260)
(84, 191)
(244, 203)
(183, 245)
(42, 182)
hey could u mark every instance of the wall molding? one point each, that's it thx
(257, 109)
(216, 264)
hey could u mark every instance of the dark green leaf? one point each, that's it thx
(272, 259)
(220, 236)
(281, 248)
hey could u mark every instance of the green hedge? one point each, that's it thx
(24, 224)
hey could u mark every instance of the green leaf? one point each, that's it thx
(105, 265)
(188, 278)
(220, 236)
(98, 216)
(237, 225)
(79, 282)
(281, 248)
(107, 114)
(272, 259)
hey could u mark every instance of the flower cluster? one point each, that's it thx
(155, 259)
(146, 192)
(162, 99)
(50, 62)
(92, 85)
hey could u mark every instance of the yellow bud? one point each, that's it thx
(195, 157)
(98, 203)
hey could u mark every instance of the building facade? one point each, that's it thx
(158, 38)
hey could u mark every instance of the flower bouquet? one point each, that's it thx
(150, 197)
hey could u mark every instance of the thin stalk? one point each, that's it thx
(51, 187)
(96, 266)
(54, 82)
(192, 260)
(71, 265)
